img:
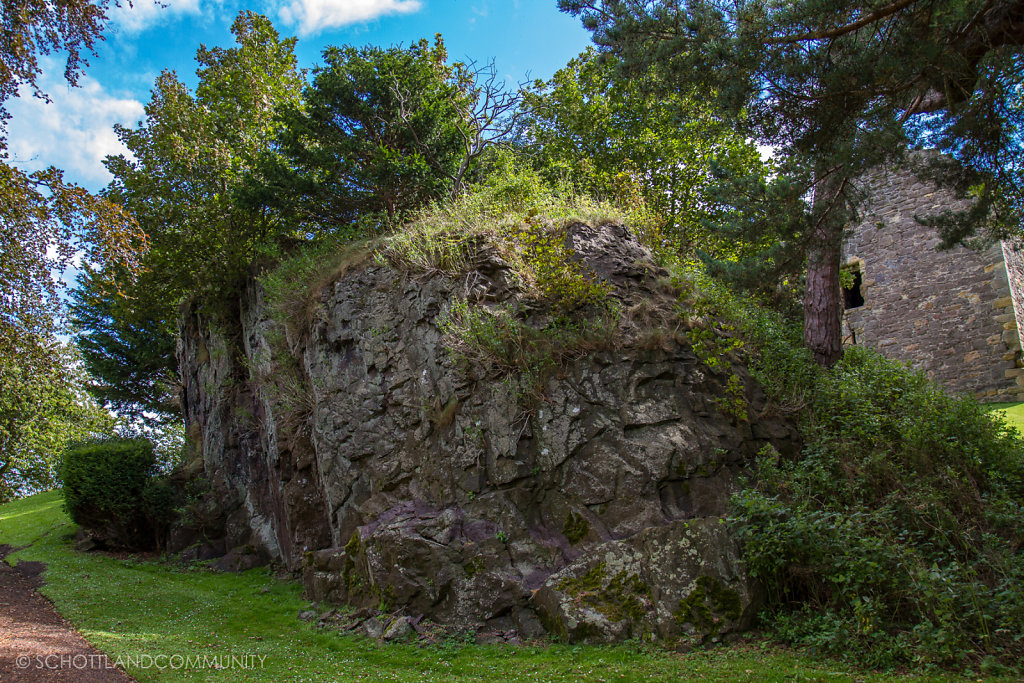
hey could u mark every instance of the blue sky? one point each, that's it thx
(75, 131)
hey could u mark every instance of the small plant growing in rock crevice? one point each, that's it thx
(549, 264)
(500, 336)
(576, 527)
(733, 401)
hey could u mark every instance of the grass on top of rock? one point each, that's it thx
(292, 288)
(511, 209)
(561, 310)
(895, 537)
(513, 212)
(129, 608)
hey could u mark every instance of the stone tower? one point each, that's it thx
(951, 313)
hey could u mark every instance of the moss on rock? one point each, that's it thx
(473, 567)
(575, 528)
(625, 595)
(708, 605)
(354, 545)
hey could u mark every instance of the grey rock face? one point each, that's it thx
(406, 478)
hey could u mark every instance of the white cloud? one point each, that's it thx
(74, 132)
(143, 14)
(313, 16)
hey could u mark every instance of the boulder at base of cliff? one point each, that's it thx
(680, 581)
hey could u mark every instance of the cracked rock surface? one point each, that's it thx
(395, 475)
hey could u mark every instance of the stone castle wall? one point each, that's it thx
(950, 313)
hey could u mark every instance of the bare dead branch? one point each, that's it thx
(489, 115)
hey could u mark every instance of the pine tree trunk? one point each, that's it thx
(823, 310)
(822, 298)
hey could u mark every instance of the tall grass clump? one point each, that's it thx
(442, 237)
(292, 291)
(895, 536)
(292, 287)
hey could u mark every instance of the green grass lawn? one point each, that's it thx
(1014, 413)
(129, 608)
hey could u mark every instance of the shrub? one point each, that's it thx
(895, 536)
(113, 490)
(899, 526)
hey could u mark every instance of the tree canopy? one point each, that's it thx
(380, 132)
(186, 163)
(189, 156)
(45, 223)
(838, 88)
(611, 137)
(31, 28)
(45, 220)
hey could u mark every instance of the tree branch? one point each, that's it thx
(870, 18)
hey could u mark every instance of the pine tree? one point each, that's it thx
(838, 87)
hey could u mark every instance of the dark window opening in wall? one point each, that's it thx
(852, 296)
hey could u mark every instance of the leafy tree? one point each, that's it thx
(611, 138)
(190, 154)
(30, 28)
(43, 407)
(840, 87)
(44, 222)
(187, 161)
(381, 131)
(128, 346)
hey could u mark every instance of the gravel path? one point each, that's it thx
(36, 644)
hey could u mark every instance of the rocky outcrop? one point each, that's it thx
(392, 471)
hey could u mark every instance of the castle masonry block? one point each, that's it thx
(951, 313)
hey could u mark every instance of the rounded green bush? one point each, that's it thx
(112, 489)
